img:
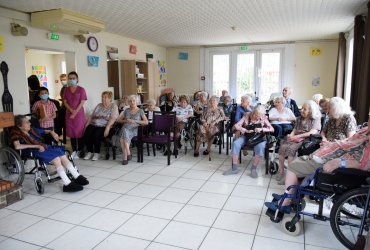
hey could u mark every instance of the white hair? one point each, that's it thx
(341, 108)
(151, 102)
(204, 94)
(281, 99)
(259, 109)
(213, 98)
(317, 97)
(314, 109)
(247, 98)
(131, 97)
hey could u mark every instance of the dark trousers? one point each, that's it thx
(77, 144)
(282, 129)
(92, 137)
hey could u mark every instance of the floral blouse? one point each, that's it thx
(346, 125)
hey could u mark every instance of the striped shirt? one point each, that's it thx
(50, 110)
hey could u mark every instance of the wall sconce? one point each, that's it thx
(80, 38)
(18, 30)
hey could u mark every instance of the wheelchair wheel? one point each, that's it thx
(273, 168)
(289, 228)
(39, 186)
(11, 166)
(346, 214)
(193, 134)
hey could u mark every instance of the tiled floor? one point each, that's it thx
(187, 205)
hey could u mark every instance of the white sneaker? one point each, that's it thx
(88, 156)
(74, 155)
(95, 157)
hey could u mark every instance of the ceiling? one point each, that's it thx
(173, 23)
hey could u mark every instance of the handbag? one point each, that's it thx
(310, 145)
(255, 139)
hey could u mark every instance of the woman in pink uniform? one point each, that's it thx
(74, 100)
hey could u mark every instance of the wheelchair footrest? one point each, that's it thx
(320, 217)
(273, 217)
(51, 180)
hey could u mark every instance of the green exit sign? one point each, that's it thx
(53, 36)
(244, 48)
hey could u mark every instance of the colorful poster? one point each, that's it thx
(162, 73)
(183, 56)
(40, 72)
(92, 61)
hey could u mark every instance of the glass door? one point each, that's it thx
(269, 75)
(245, 75)
(220, 73)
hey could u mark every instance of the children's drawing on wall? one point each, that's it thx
(162, 73)
(40, 72)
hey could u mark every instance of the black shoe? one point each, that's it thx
(196, 154)
(81, 154)
(81, 180)
(129, 157)
(72, 187)
(205, 152)
(124, 162)
(175, 152)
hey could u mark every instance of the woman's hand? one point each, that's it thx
(41, 148)
(106, 132)
(258, 130)
(331, 165)
(55, 136)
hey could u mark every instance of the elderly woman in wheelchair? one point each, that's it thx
(25, 138)
(209, 125)
(352, 152)
(252, 123)
(307, 124)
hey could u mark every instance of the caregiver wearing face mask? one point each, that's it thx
(44, 110)
(74, 99)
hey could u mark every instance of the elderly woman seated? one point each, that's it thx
(201, 105)
(244, 107)
(209, 125)
(131, 118)
(151, 108)
(183, 112)
(281, 117)
(307, 124)
(25, 138)
(169, 103)
(352, 152)
(252, 122)
(227, 106)
(98, 125)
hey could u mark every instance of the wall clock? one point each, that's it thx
(92, 43)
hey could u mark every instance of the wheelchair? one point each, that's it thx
(40, 167)
(112, 141)
(333, 187)
(189, 133)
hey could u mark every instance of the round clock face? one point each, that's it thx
(92, 44)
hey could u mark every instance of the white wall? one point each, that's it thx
(94, 79)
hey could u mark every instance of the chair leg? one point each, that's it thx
(168, 153)
(147, 149)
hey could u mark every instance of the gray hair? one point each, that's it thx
(314, 109)
(259, 109)
(151, 102)
(204, 94)
(247, 98)
(341, 108)
(317, 97)
(213, 98)
(228, 98)
(288, 88)
(281, 99)
(131, 97)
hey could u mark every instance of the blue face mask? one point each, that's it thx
(72, 82)
(44, 96)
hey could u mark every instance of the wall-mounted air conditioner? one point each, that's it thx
(66, 21)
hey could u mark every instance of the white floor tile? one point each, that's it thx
(5, 212)
(116, 241)
(128, 203)
(112, 173)
(148, 169)
(218, 239)
(197, 174)
(260, 181)
(135, 177)
(97, 182)
(322, 236)
(182, 235)
(309, 247)
(28, 199)
(79, 238)
(74, 213)
(106, 220)
(276, 231)
(46, 207)
(158, 246)
(2, 238)
(160, 180)
(161, 209)
(244, 205)
(43, 232)
(143, 227)
(265, 243)
(239, 222)
(219, 177)
(250, 192)
(16, 222)
(217, 187)
(190, 184)
(147, 191)
(208, 200)
(92, 171)
(72, 197)
(176, 195)
(99, 198)
(203, 216)
(171, 171)
(13, 244)
(118, 186)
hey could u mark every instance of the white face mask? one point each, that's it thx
(64, 82)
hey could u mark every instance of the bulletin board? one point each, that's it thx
(40, 72)
(162, 73)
